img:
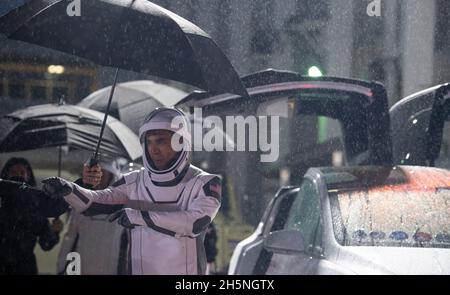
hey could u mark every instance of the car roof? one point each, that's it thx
(385, 177)
(272, 76)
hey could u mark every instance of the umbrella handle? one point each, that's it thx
(93, 160)
(111, 94)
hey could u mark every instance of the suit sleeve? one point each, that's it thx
(191, 222)
(90, 202)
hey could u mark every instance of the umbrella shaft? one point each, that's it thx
(106, 114)
(59, 160)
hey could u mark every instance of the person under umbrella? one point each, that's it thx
(22, 224)
(168, 205)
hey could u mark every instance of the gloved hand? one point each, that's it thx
(57, 187)
(125, 217)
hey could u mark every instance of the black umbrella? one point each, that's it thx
(60, 125)
(134, 100)
(135, 35)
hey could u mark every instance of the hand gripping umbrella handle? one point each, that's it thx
(93, 160)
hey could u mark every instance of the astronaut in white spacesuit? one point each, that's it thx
(168, 205)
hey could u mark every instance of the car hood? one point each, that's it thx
(394, 260)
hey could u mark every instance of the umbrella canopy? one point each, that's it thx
(59, 125)
(135, 35)
(134, 100)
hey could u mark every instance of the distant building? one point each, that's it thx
(406, 47)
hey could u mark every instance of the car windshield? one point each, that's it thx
(400, 214)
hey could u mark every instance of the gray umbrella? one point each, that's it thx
(134, 100)
(59, 125)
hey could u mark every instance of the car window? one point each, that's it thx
(410, 146)
(281, 209)
(306, 126)
(416, 125)
(443, 161)
(304, 214)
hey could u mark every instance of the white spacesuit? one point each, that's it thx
(167, 210)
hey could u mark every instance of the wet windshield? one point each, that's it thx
(399, 218)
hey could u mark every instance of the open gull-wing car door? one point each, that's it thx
(420, 128)
(360, 107)
(324, 121)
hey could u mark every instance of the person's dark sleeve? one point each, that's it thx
(47, 237)
(7, 187)
(8, 190)
(46, 205)
(51, 207)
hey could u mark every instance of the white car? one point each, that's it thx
(354, 220)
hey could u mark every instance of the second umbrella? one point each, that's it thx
(59, 125)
